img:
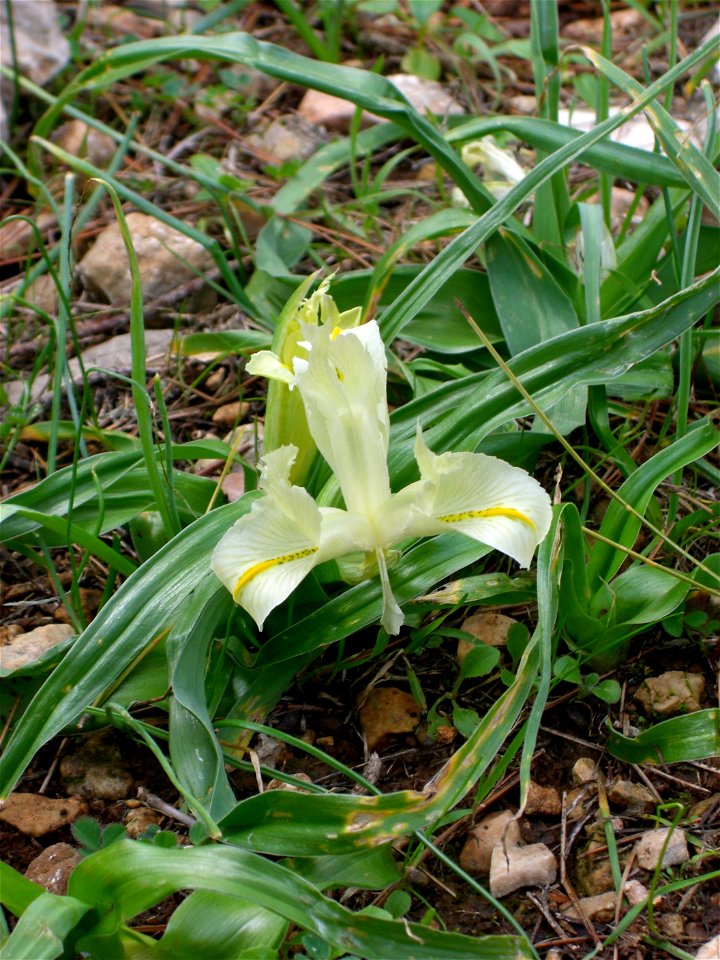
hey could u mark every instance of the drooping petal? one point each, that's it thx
(480, 496)
(392, 616)
(342, 383)
(265, 363)
(267, 553)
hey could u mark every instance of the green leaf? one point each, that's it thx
(212, 924)
(533, 309)
(695, 736)
(41, 930)
(144, 609)
(131, 877)
(479, 661)
(622, 527)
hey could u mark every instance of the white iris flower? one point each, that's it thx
(341, 376)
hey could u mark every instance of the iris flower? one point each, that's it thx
(341, 375)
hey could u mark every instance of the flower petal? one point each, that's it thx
(392, 616)
(267, 553)
(342, 383)
(481, 497)
(265, 363)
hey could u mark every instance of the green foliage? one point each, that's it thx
(578, 331)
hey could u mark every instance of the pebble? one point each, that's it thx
(634, 798)
(676, 691)
(489, 628)
(166, 259)
(288, 138)
(585, 770)
(24, 648)
(388, 711)
(96, 770)
(514, 868)
(334, 113)
(36, 815)
(52, 868)
(709, 950)
(476, 854)
(600, 907)
(650, 844)
(230, 413)
(543, 801)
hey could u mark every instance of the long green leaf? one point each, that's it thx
(693, 165)
(145, 607)
(128, 878)
(41, 930)
(622, 527)
(696, 736)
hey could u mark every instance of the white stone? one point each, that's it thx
(25, 648)
(476, 854)
(649, 847)
(709, 950)
(335, 113)
(513, 868)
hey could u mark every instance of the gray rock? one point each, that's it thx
(649, 847)
(112, 354)
(287, 138)
(96, 770)
(25, 648)
(166, 259)
(40, 47)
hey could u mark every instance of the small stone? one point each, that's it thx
(82, 140)
(52, 868)
(230, 413)
(709, 950)
(291, 787)
(36, 815)
(489, 628)
(676, 691)
(334, 113)
(41, 50)
(632, 797)
(576, 800)
(544, 801)
(96, 770)
(593, 876)
(388, 711)
(233, 486)
(514, 868)
(476, 854)
(139, 819)
(166, 259)
(650, 844)
(635, 892)
(600, 907)
(672, 925)
(25, 648)
(698, 810)
(289, 138)
(585, 770)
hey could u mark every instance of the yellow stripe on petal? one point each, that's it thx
(509, 512)
(264, 565)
